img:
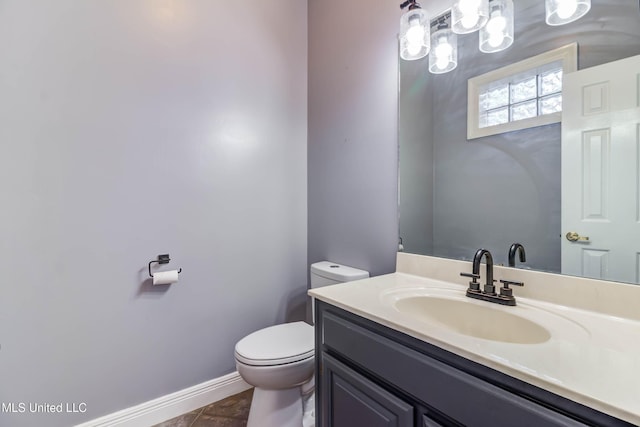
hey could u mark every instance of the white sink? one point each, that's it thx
(474, 320)
(454, 312)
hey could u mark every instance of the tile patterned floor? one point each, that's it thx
(230, 412)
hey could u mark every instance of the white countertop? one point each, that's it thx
(591, 358)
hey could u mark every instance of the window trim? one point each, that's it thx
(568, 55)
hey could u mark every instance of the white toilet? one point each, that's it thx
(278, 361)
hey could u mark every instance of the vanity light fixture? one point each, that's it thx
(414, 31)
(560, 12)
(497, 35)
(444, 53)
(468, 16)
(494, 19)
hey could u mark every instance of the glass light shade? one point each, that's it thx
(560, 12)
(468, 16)
(414, 34)
(444, 53)
(497, 35)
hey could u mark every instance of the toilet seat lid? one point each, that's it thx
(277, 345)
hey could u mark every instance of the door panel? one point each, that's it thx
(600, 177)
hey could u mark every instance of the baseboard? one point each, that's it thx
(172, 405)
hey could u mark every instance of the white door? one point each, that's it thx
(600, 171)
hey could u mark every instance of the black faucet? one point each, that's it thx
(489, 289)
(512, 254)
(505, 297)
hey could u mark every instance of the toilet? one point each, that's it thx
(279, 360)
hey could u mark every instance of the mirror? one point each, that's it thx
(458, 195)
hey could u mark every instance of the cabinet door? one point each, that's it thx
(349, 400)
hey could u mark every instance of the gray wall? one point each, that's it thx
(352, 135)
(493, 191)
(131, 128)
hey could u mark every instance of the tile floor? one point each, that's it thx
(230, 412)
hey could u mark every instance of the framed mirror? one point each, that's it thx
(459, 194)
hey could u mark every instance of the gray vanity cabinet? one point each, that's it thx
(370, 375)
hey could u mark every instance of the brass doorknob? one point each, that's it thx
(572, 236)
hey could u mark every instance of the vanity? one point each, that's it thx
(410, 349)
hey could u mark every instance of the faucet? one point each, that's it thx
(516, 247)
(477, 258)
(505, 297)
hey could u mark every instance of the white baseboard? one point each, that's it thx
(172, 405)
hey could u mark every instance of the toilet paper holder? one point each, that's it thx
(162, 259)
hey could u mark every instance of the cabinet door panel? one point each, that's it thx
(349, 400)
(428, 422)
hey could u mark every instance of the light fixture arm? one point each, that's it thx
(441, 22)
(412, 4)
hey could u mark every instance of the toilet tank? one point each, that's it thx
(325, 273)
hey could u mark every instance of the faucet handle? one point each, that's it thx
(473, 284)
(505, 290)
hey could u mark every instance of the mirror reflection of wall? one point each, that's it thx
(458, 195)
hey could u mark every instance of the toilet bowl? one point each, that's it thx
(279, 360)
(276, 360)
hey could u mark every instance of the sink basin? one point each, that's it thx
(473, 319)
(448, 310)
